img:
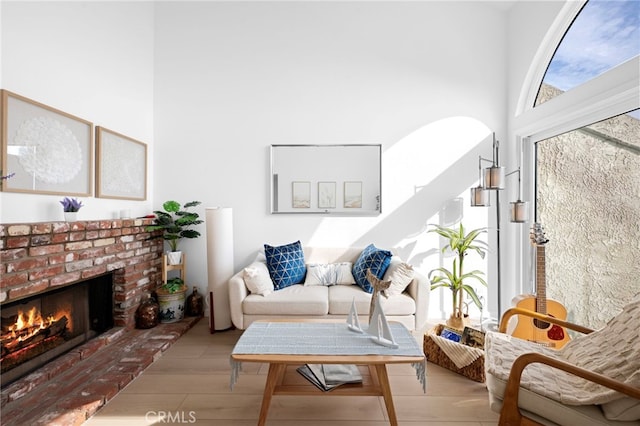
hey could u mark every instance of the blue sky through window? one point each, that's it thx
(605, 34)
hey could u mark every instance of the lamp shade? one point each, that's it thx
(219, 222)
(519, 211)
(479, 197)
(494, 177)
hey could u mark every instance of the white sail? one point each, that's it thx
(379, 330)
(353, 323)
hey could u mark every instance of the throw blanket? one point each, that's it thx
(613, 351)
(308, 338)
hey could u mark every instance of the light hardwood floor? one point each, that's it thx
(189, 384)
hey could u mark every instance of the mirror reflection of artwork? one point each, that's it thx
(326, 195)
(353, 195)
(319, 173)
(301, 195)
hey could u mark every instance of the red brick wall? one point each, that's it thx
(36, 257)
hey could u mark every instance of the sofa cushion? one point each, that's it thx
(257, 279)
(371, 258)
(329, 274)
(293, 300)
(286, 264)
(341, 296)
(400, 274)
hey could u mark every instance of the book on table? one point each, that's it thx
(329, 376)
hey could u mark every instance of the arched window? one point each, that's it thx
(587, 168)
(603, 35)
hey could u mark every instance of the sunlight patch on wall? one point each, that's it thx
(416, 160)
(423, 159)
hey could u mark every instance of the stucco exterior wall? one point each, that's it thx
(589, 204)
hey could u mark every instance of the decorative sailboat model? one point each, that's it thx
(353, 323)
(379, 330)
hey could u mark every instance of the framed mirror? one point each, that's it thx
(326, 179)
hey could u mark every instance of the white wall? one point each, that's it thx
(210, 85)
(424, 79)
(529, 24)
(93, 60)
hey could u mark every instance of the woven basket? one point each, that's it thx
(474, 371)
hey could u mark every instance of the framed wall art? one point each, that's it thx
(47, 150)
(301, 195)
(326, 195)
(353, 195)
(121, 170)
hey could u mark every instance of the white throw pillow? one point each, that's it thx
(400, 274)
(256, 277)
(329, 274)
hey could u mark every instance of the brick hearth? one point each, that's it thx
(73, 387)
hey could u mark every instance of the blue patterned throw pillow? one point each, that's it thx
(286, 264)
(373, 258)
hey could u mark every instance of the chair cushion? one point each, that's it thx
(546, 410)
(613, 351)
(624, 409)
(371, 258)
(286, 264)
(293, 300)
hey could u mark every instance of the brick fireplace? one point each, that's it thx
(39, 257)
(43, 258)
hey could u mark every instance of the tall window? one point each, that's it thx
(588, 200)
(588, 179)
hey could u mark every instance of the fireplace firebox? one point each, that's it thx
(39, 328)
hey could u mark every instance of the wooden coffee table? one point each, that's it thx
(377, 385)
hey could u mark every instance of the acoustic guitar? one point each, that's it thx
(536, 330)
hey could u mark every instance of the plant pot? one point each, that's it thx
(174, 257)
(70, 216)
(171, 305)
(457, 321)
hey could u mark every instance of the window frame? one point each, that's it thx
(612, 93)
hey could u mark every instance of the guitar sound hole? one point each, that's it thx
(541, 324)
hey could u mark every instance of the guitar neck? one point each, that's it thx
(541, 292)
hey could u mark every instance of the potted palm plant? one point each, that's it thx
(456, 279)
(175, 222)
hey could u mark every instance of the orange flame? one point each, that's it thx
(32, 321)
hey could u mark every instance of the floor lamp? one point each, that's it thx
(494, 178)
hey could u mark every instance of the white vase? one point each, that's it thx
(70, 216)
(174, 257)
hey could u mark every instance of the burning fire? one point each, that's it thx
(32, 321)
(31, 327)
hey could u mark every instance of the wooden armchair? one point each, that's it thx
(510, 396)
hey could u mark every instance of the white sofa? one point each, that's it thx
(300, 301)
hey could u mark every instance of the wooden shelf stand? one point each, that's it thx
(166, 267)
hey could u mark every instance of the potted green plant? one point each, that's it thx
(456, 279)
(175, 222)
(171, 297)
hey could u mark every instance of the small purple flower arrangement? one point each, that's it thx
(71, 204)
